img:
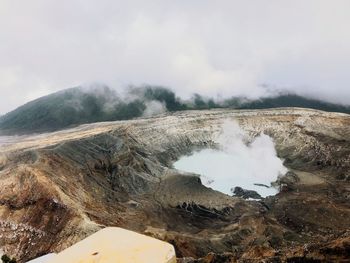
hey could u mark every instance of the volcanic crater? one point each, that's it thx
(60, 187)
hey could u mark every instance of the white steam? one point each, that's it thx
(236, 163)
(154, 107)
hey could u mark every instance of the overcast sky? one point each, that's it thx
(211, 47)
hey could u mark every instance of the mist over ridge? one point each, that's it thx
(98, 103)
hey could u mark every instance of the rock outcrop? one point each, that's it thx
(244, 193)
(59, 188)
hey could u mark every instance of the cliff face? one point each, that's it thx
(60, 187)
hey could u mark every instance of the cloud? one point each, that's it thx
(212, 48)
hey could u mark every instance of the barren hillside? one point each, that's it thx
(58, 188)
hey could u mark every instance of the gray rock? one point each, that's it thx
(244, 193)
(287, 182)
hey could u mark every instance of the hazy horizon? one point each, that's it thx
(221, 49)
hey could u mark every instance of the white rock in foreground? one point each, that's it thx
(43, 259)
(112, 244)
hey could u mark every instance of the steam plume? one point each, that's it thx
(236, 163)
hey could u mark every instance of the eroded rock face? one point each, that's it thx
(58, 188)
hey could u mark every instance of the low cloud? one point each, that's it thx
(231, 48)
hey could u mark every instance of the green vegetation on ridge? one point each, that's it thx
(78, 106)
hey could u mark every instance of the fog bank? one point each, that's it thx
(226, 48)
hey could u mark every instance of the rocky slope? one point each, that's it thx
(58, 188)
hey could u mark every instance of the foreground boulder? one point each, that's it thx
(43, 259)
(113, 244)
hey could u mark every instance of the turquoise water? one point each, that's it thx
(222, 171)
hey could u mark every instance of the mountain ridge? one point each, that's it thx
(75, 106)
